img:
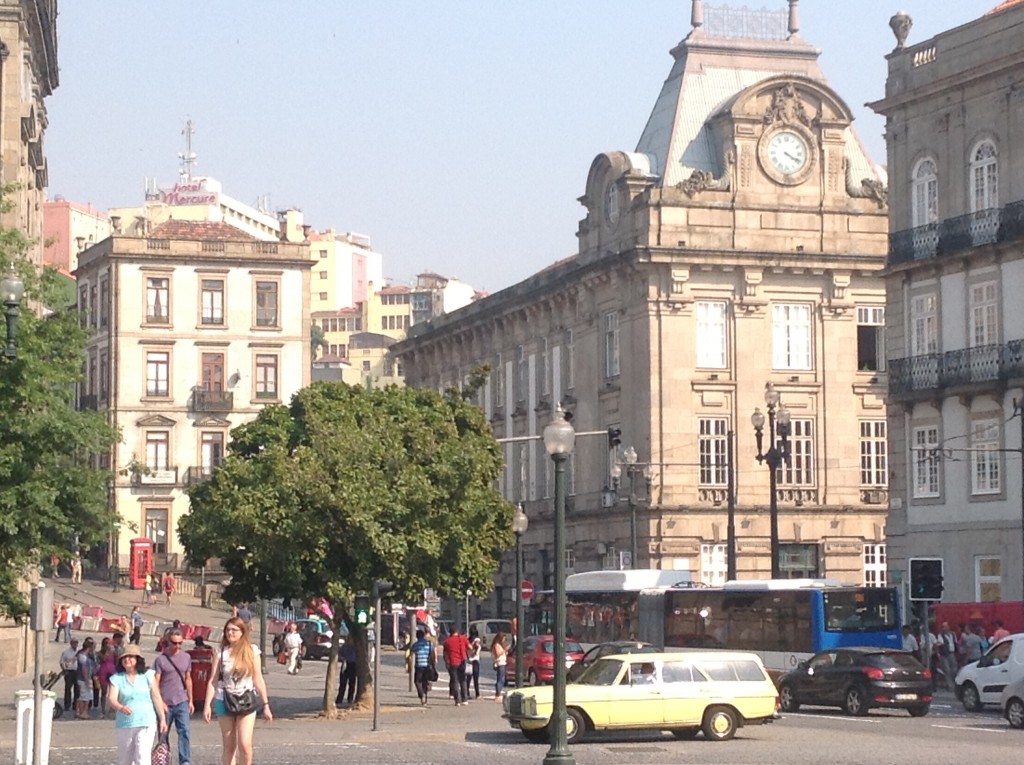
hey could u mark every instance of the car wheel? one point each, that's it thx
(575, 725)
(537, 735)
(720, 724)
(531, 678)
(920, 710)
(685, 734)
(969, 697)
(1015, 713)
(787, 699)
(854, 702)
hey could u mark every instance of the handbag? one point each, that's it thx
(240, 702)
(161, 753)
(282, 658)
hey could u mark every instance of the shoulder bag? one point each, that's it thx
(161, 752)
(240, 702)
(432, 666)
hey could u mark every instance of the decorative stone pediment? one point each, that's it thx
(212, 422)
(155, 421)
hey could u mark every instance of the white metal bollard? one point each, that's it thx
(25, 701)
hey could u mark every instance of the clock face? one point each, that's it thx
(611, 204)
(788, 153)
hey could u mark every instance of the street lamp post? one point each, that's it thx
(519, 525)
(775, 457)
(559, 440)
(11, 290)
(117, 556)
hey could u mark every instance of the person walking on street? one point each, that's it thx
(172, 670)
(69, 667)
(76, 569)
(421, 653)
(500, 656)
(473, 668)
(947, 659)
(347, 686)
(169, 584)
(84, 675)
(107, 666)
(63, 623)
(456, 651)
(292, 645)
(135, 698)
(147, 590)
(235, 669)
(137, 622)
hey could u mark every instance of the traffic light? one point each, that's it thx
(926, 578)
(614, 436)
(363, 610)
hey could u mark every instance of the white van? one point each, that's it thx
(487, 629)
(982, 682)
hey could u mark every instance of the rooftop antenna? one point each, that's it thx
(187, 157)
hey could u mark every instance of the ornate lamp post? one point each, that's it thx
(11, 290)
(519, 525)
(633, 469)
(775, 457)
(559, 440)
(117, 556)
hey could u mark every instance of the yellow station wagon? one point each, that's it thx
(684, 692)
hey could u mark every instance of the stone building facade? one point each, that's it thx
(740, 244)
(955, 122)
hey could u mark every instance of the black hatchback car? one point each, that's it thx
(858, 679)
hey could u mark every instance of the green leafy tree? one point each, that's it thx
(348, 486)
(317, 339)
(50, 495)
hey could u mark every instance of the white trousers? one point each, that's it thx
(135, 745)
(293, 659)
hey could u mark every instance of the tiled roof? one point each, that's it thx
(200, 230)
(1005, 5)
(395, 289)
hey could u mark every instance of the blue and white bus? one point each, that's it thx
(784, 621)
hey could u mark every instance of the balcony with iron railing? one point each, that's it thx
(983, 365)
(212, 400)
(198, 473)
(957, 235)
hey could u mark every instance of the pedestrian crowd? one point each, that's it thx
(462, 660)
(948, 650)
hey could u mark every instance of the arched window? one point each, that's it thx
(984, 177)
(925, 199)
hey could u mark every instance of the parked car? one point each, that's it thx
(685, 692)
(983, 681)
(488, 629)
(607, 649)
(858, 679)
(539, 659)
(1011, 701)
(316, 638)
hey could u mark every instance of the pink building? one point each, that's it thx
(68, 228)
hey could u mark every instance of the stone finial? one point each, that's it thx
(900, 25)
(794, 17)
(697, 14)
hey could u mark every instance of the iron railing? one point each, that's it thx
(954, 235)
(966, 366)
(212, 400)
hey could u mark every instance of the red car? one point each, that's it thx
(539, 659)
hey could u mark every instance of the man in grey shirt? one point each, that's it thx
(173, 673)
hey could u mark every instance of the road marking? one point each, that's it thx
(844, 718)
(969, 727)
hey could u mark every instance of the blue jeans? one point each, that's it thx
(499, 683)
(177, 716)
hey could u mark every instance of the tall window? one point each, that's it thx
(520, 382)
(570, 360)
(266, 304)
(156, 528)
(799, 561)
(870, 338)
(711, 342)
(984, 177)
(212, 301)
(213, 371)
(791, 336)
(984, 315)
(925, 193)
(212, 445)
(611, 344)
(523, 473)
(874, 458)
(158, 365)
(874, 566)
(543, 363)
(985, 462)
(714, 565)
(713, 449)
(157, 299)
(925, 459)
(104, 303)
(988, 574)
(104, 390)
(499, 381)
(798, 470)
(924, 333)
(157, 449)
(266, 375)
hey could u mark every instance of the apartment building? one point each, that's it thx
(196, 327)
(955, 343)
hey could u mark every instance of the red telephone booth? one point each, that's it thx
(140, 562)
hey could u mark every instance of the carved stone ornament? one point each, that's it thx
(870, 188)
(900, 25)
(702, 180)
(787, 107)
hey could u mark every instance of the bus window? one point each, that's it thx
(865, 609)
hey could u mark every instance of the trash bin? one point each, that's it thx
(25, 703)
(202, 663)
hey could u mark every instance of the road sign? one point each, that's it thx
(527, 588)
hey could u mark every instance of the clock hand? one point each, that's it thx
(795, 159)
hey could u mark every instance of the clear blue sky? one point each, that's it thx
(457, 134)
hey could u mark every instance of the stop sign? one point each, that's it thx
(527, 589)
